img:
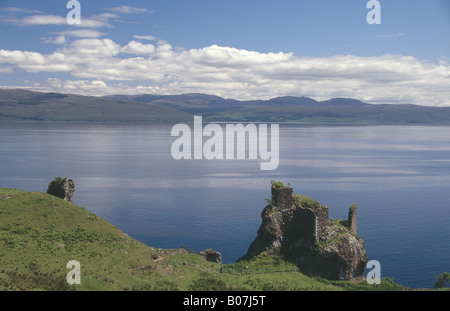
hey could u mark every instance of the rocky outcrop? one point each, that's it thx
(298, 228)
(63, 188)
(211, 255)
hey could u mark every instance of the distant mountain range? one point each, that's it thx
(22, 105)
(17, 104)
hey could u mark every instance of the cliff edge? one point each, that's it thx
(298, 228)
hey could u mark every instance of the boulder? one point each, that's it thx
(212, 255)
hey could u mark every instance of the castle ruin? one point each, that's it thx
(299, 228)
(312, 218)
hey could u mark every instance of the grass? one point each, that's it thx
(304, 201)
(40, 233)
(46, 232)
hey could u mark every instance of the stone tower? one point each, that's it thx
(310, 220)
(352, 218)
(282, 197)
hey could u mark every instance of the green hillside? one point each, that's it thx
(20, 105)
(40, 234)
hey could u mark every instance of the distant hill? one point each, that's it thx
(20, 105)
(37, 106)
(297, 109)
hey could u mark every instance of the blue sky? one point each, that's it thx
(234, 48)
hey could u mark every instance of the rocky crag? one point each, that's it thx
(298, 228)
(63, 188)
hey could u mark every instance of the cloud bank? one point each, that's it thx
(230, 72)
(84, 61)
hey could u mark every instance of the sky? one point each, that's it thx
(241, 49)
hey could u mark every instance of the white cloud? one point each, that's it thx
(94, 48)
(37, 20)
(94, 87)
(42, 20)
(147, 37)
(20, 10)
(58, 40)
(84, 87)
(125, 9)
(136, 47)
(83, 33)
(106, 16)
(238, 73)
(35, 62)
(391, 35)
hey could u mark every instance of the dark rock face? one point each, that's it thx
(340, 255)
(63, 188)
(212, 255)
(298, 228)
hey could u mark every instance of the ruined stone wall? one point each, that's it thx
(282, 197)
(303, 226)
(321, 213)
(305, 222)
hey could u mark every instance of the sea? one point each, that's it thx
(398, 176)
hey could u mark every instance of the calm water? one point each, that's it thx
(398, 176)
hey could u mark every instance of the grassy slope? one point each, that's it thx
(40, 233)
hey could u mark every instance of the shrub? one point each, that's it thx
(442, 280)
(277, 184)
